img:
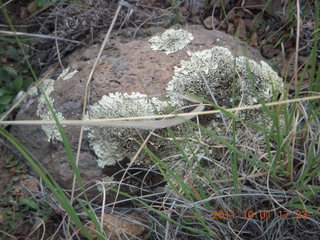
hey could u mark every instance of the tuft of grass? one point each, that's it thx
(176, 12)
(274, 185)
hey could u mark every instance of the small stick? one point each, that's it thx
(39, 36)
(125, 122)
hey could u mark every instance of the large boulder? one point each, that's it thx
(125, 67)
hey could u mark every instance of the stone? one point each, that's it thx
(248, 23)
(217, 3)
(241, 29)
(254, 40)
(126, 67)
(129, 226)
(269, 51)
(231, 29)
(210, 22)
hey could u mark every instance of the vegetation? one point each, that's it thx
(14, 73)
(259, 185)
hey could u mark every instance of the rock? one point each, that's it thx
(29, 184)
(248, 23)
(254, 40)
(241, 13)
(195, 6)
(217, 3)
(24, 13)
(32, 7)
(231, 29)
(241, 29)
(269, 51)
(208, 22)
(222, 25)
(271, 7)
(231, 16)
(128, 226)
(126, 67)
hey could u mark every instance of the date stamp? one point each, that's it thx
(259, 215)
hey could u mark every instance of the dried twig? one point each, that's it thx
(297, 45)
(130, 122)
(106, 39)
(39, 36)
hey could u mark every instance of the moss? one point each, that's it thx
(171, 40)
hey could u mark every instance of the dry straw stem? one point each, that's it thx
(131, 122)
(106, 39)
(39, 36)
(297, 45)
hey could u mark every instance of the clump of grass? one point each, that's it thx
(176, 12)
(252, 191)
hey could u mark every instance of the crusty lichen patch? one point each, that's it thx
(215, 65)
(114, 144)
(65, 74)
(212, 72)
(171, 40)
(43, 112)
(106, 183)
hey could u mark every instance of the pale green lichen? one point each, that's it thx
(32, 91)
(211, 65)
(212, 72)
(43, 112)
(260, 81)
(171, 40)
(65, 74)
(107, 182)
(114, 144)
(259, 84)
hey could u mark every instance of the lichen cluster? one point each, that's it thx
(171, 40)
(211, 74)
(114, 144)
(65, 74)
(43, 112)
(216, 68)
